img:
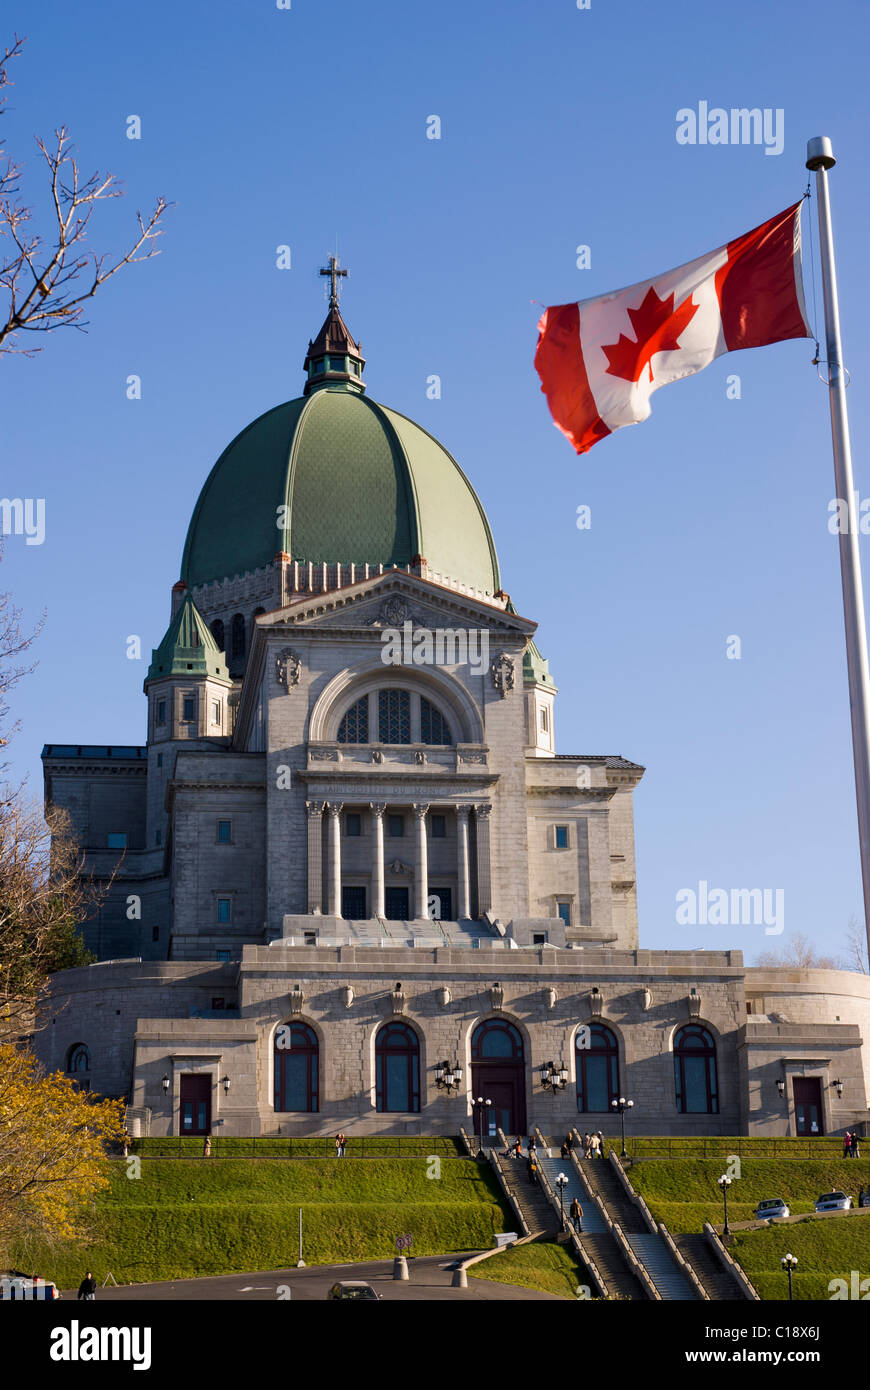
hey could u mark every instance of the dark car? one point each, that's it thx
(353, 1288)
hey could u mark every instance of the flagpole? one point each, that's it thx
(820, 158)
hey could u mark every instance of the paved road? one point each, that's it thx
(430, 1281)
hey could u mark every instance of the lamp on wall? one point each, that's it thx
(553, 1078)
(448, 1078)
(165, 1084)
(226, 1085)
(780, 1086)
(838, 1086)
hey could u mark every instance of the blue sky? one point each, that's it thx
(268, 127)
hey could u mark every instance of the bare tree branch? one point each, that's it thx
(48, 282)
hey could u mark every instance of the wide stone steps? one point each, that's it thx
(661, 1267)
(592, 1218)
(716, 1281)
(607, 1187)
(620, 1281)
(531, 1199)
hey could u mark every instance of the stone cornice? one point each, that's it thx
(576, 793)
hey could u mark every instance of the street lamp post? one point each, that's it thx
(789, 1263)
(561, 1183)
(622, 1105)
(482, 1104)
(724, 1184)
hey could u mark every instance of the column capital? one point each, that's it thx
(377, 808)
(483, 811)
(463, 811)
(335, 808)
(314, 808)
(420, 809)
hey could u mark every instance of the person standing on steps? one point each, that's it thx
(601, 1147)
(594, 1145)
(576, 1214)
(587, 1146)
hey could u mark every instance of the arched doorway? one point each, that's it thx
(498, 1074)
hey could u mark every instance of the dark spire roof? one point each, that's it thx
(333, 358)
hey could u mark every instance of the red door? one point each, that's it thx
(195, 1104)
(809, 1119)
(504, 1085)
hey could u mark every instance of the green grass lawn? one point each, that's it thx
(181, 1219)
(826, 1248)
(683, 1192)
(540, 1265)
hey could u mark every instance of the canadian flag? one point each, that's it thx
(601, 359)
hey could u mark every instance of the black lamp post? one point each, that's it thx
(622, 1105)
(724, 1183)
(561, 1183)
(482, 1104)
(789, 1263)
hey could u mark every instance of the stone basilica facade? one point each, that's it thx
(356, 886)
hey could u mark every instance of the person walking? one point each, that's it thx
(594, 1145)
(340, 1145)
(88, 1288)
(518, 1148)
(847, 1145)
(601, 1146)
(576, 1214)
(206, 1146)
(587, 1146)
(533, 1148)
(856, 1152)
(569, 1142)
(564, 1152)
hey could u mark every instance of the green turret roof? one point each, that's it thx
(188, 649)
(536, 668)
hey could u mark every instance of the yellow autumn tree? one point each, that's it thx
(53, 1161)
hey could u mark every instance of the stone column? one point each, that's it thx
(378, 906)
(462, 867)
(333, 882)
(315, 855)
(484, 864)
(421, 864)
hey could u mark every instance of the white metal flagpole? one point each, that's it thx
(820, 158)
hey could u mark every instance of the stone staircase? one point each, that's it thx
(530, 1198)
(661, 1267)
(596, 1239)
(716, 1280)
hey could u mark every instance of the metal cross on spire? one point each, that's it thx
(335, 274)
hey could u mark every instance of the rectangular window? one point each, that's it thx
(188, 709)
(310, 938)
(561, 836)
(539, 938)
(224, 906)
(222, 955)
(215, 711)
(353, 823)
(395, 827)
(159, 759)
(224, 832)
(439, 827)
(161, 711)
(564, 911)
(545, 719)
(117, 840)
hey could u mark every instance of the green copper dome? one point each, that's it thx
(335, 477)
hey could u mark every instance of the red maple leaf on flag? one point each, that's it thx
(658, 326)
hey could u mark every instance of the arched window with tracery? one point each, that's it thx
(433, 726)
(354, 727)
(695, 1074)
(297, 1065)
(597, 1067)
(397, 1067)
(496, 1040)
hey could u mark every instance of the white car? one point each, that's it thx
(833, 1201)
(770, 1208)
(29, 1287)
